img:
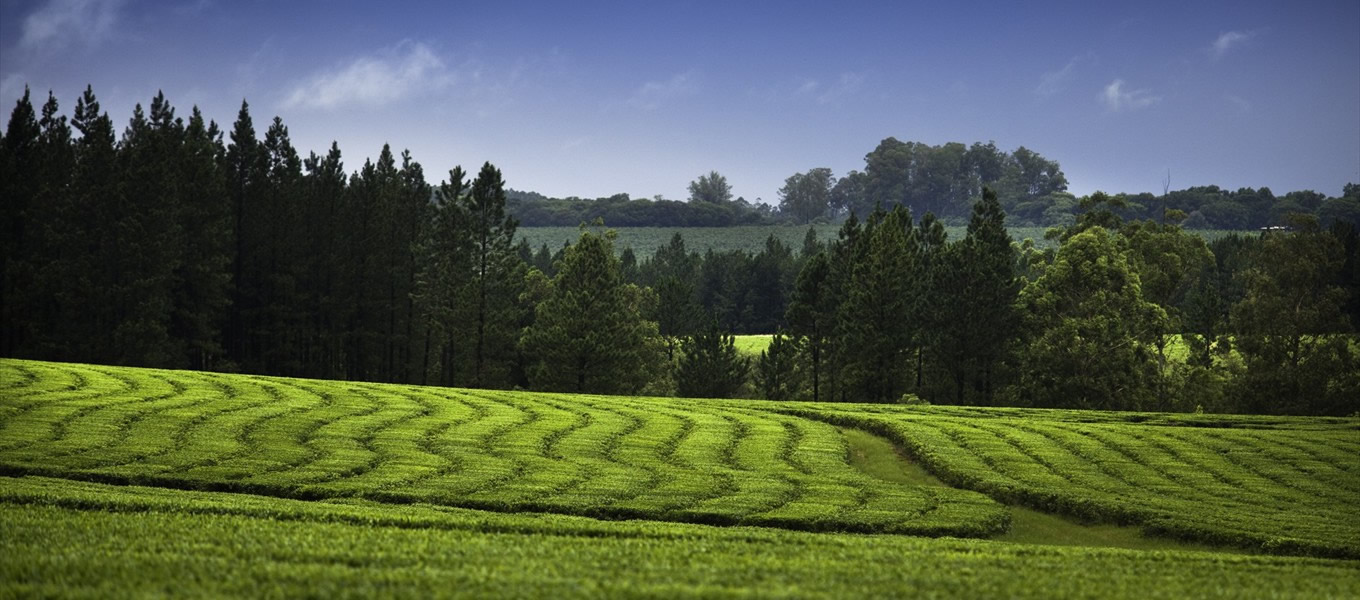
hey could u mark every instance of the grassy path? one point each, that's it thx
(878, 457)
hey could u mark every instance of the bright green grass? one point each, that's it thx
(1282, 485)
(752, 345)
(714, 462)
(880, 458)
(76, 539)
(1279, 484)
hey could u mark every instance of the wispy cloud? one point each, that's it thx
(12, 87)
(58, 23)
(1116, 98)
(390, 75)
(655, 93)
(1241, 104)
(849, 84)
(1052, 82)
(1229, 40)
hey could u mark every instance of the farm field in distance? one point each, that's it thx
(276, 486)
(749, 238)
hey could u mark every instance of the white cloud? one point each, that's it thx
(11, 88)
(1052, 82)
(388, 76)
(1116, 99)
(653, 93)
(1243, 107)
(1228, 41)
(61, 22)
(849, 84)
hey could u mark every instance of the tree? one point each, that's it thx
(976, 286)
(711, 188)
(777, 376)
(807, 196)
(876, 318)
(588, 334)
(1090, 331)
(446, 258)
(710, 366)
(496, 273)
(1287, 328)
(812, 315)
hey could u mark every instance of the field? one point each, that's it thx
(120, 481)
(750, 238)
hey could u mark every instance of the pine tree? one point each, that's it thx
(445, 260)
(777, 376)
(976, 286)
(17, 195)
(497, 273)
(588, 335)
(710, 366)
(243, 166)
(812, 316)
(875, 320)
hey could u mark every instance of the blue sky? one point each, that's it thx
(592, 99)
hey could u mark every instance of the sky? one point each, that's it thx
(592, 99)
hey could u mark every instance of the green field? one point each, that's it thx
(121, 481)
(749, 238)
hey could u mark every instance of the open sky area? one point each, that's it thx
(593, 98)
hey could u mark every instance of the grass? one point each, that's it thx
(132, 482)
(1275, 484)
(607, 457)
(752, 345)
(94, 540)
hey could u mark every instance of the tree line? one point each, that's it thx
(945, 180)
(177, 244)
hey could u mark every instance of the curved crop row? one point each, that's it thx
(1252, 484)
(706, 462)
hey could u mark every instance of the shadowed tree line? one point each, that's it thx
(177, 244)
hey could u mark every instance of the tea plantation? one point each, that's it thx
(132, 482)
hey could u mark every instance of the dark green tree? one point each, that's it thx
(588, 334)
(1290, 328)
(1090, 331)
(876, 318)
(807, 196)
(777, 376)
(710, 366)
(812, 316)
(495, 279)
(711, 189)
(976, 286)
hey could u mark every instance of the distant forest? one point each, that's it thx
(177, 244)
(944, 180)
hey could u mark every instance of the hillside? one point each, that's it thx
(357, 480)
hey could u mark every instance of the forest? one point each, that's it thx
(945, 180)
(180, 245)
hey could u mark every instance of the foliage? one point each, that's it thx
(709, 365)
(711, 189)
(1283, 327)
(588, 334)
(1090, 329)
(777, 374)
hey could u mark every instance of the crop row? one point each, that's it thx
(1275, 487)
(718, 463)
(86, 539)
